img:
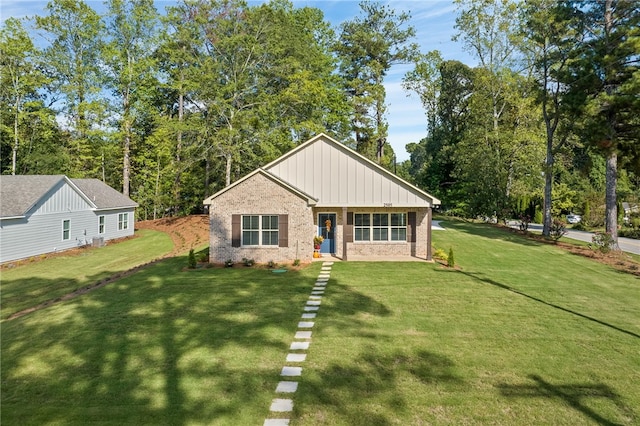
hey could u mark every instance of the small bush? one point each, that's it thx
(203, 256)
(271, 264)
(451, 263)
(192, 260)
(248, 262)
(296, 262)
(629, 233)
(228, 263)
(602, 242)
(558, 229)
(525, 220)
(440, 254)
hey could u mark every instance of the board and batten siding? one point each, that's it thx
(41, 230)
(339, 179)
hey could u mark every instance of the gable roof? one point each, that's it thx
(310, 200)
(328, 173)
(337, 175)
(19, 193)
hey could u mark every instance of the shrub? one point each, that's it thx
(525, 220)
(228, 263)
(296, 262)
(629, 233)
(538, 218)
(271, 264)
(192, 260)
(440, 254)
(450, 260)
(248, 262)
(558, 229)
(203, 256)
(602, 242)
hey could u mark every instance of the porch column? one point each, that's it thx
(344, 233)
(429, 257)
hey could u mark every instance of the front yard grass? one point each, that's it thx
(522, 333)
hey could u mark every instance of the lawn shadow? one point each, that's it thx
(130, 352)
(572, 394)
(345, 387)
(479, 277)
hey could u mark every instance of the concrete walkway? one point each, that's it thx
(282, 405)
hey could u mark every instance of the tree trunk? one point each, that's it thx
(14, 151)
(611, 213)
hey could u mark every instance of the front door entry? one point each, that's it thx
(326, 228)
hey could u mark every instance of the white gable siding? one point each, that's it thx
(63, 198)
(335, 177)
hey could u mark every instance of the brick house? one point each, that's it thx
(324, 188)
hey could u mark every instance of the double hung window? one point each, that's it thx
(123, 221)
(380, 227)
(66, 229)
(260, 230)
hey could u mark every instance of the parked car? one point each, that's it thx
(573, 218)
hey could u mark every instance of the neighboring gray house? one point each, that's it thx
(44, 214)
(322, 187)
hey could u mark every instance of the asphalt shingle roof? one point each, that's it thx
(19, 193)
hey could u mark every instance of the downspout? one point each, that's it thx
(344, 234)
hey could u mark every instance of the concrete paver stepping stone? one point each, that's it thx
(287, 387)
(327, 263)
(276, 422)
(319, 286)
(317, 293)
(303, 335)
(314, 302)
(309, 316)
(305, 324)
(299, 346)
(281, 405)
(291, 371)
(311, 308)
(296, 357)
(315, 297)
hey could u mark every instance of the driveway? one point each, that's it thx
(628, 245)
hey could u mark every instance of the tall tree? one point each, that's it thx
(611, 59)
(74, 31)
(368, 47)
(20, 80)
(551, 31)
(132, 28)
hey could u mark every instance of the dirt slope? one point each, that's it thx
(186, 232)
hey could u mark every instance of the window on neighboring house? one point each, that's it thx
(380, 226)
(123, 221)
(101, 225)
(260, 230)
(66, 229)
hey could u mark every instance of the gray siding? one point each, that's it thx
(41, 230)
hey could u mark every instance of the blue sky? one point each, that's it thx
(433, 20)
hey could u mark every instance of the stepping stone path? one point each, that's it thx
(282, 406)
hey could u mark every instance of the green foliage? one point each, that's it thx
(602, 242)
(248, 262)
(228, 263)
(296, 262)
(440, 254)
(191, 262)
(271, 264)
(451, 262)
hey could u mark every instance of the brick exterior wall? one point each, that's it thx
(260, 195)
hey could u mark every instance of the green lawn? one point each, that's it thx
(32, 283)
(522, 334)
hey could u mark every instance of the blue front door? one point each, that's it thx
(326, 228)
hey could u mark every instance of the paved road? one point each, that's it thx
(628, 245)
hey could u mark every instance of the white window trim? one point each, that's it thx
(102, 225)
(259, 230)
(389, 227)
(123, 221)
(68, 229)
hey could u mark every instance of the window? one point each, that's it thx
(123, 221)
(101, 225)
(66, 229)
(380, 226)
(260, 230)
(361, 228)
